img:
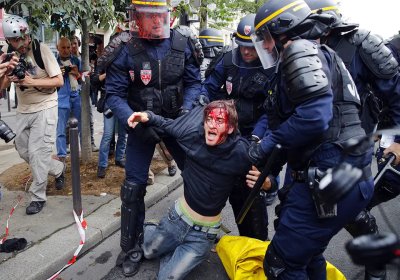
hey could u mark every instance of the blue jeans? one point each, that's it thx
(63, 116)
(180, 247)
(108, 133)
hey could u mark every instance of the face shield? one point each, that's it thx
(149, 22)
(244, 55)
(264, 44)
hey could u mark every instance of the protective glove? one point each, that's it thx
(13, 244)
(256, 154)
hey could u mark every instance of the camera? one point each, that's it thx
(20, 69)
(5, 132)
(67, 69)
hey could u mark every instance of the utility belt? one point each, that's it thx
(312, 176)
(213, 228)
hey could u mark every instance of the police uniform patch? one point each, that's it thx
(132, 75)
(247, 29)
(145, 73)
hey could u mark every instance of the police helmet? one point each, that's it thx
(15, 26)
(331, 7)
(149, 19)
(281, 17)
(211, 37)
(244, 30)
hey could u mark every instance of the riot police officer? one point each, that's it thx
(375, 73)
(240, 74)
(155, 69)
(212, 42)
(314, 111)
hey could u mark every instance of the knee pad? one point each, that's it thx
(364, 223)
(273, 263)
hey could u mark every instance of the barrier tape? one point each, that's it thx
(82, 226)
(8, 219)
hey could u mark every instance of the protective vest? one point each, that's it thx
(157, 84)
(345, 123)
(248, 91)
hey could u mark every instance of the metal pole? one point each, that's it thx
(75, 169)
(8, 99)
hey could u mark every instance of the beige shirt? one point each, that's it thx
(31, 99)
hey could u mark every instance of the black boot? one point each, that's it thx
(131, 264)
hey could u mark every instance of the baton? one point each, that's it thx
(257, 186)
(388, 167)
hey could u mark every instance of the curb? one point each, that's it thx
(49, 255)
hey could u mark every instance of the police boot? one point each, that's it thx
(131, 263)
(132, 218)
(375, 273)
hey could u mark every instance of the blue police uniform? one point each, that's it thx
(312, 126)
(156, 75)
(248, 87)
(375, 74)
(119, 78)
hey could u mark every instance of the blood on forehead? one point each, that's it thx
(219, 113)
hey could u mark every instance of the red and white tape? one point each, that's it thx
(8, 219)
(82, 226)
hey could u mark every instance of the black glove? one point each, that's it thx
(146, 134)
(257, 155)
(13, 244)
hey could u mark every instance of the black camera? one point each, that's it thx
(5, 132)
(20, 69)
(67, 69)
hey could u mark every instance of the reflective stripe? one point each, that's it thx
(149, 3)
(280, 11)
(243, 37)
(329, 8)
(213, 38)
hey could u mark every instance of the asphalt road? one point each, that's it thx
(99, 263)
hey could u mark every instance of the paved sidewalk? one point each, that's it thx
(52, 234)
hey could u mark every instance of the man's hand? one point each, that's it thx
(252, 177)
(28, 81)
(7, 63)
(256, 154)
(394, 148)
(137, 117)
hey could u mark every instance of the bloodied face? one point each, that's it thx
(216, 127)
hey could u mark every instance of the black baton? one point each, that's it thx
(272, 159)
(388, 167)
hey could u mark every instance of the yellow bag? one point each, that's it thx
(243, 258)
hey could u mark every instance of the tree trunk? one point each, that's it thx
(86, 148)
(203, 15)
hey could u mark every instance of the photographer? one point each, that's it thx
(37, 78)
(69, 99)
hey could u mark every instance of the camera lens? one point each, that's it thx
(5, 132)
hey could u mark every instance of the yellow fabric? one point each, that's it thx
(243, 258)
